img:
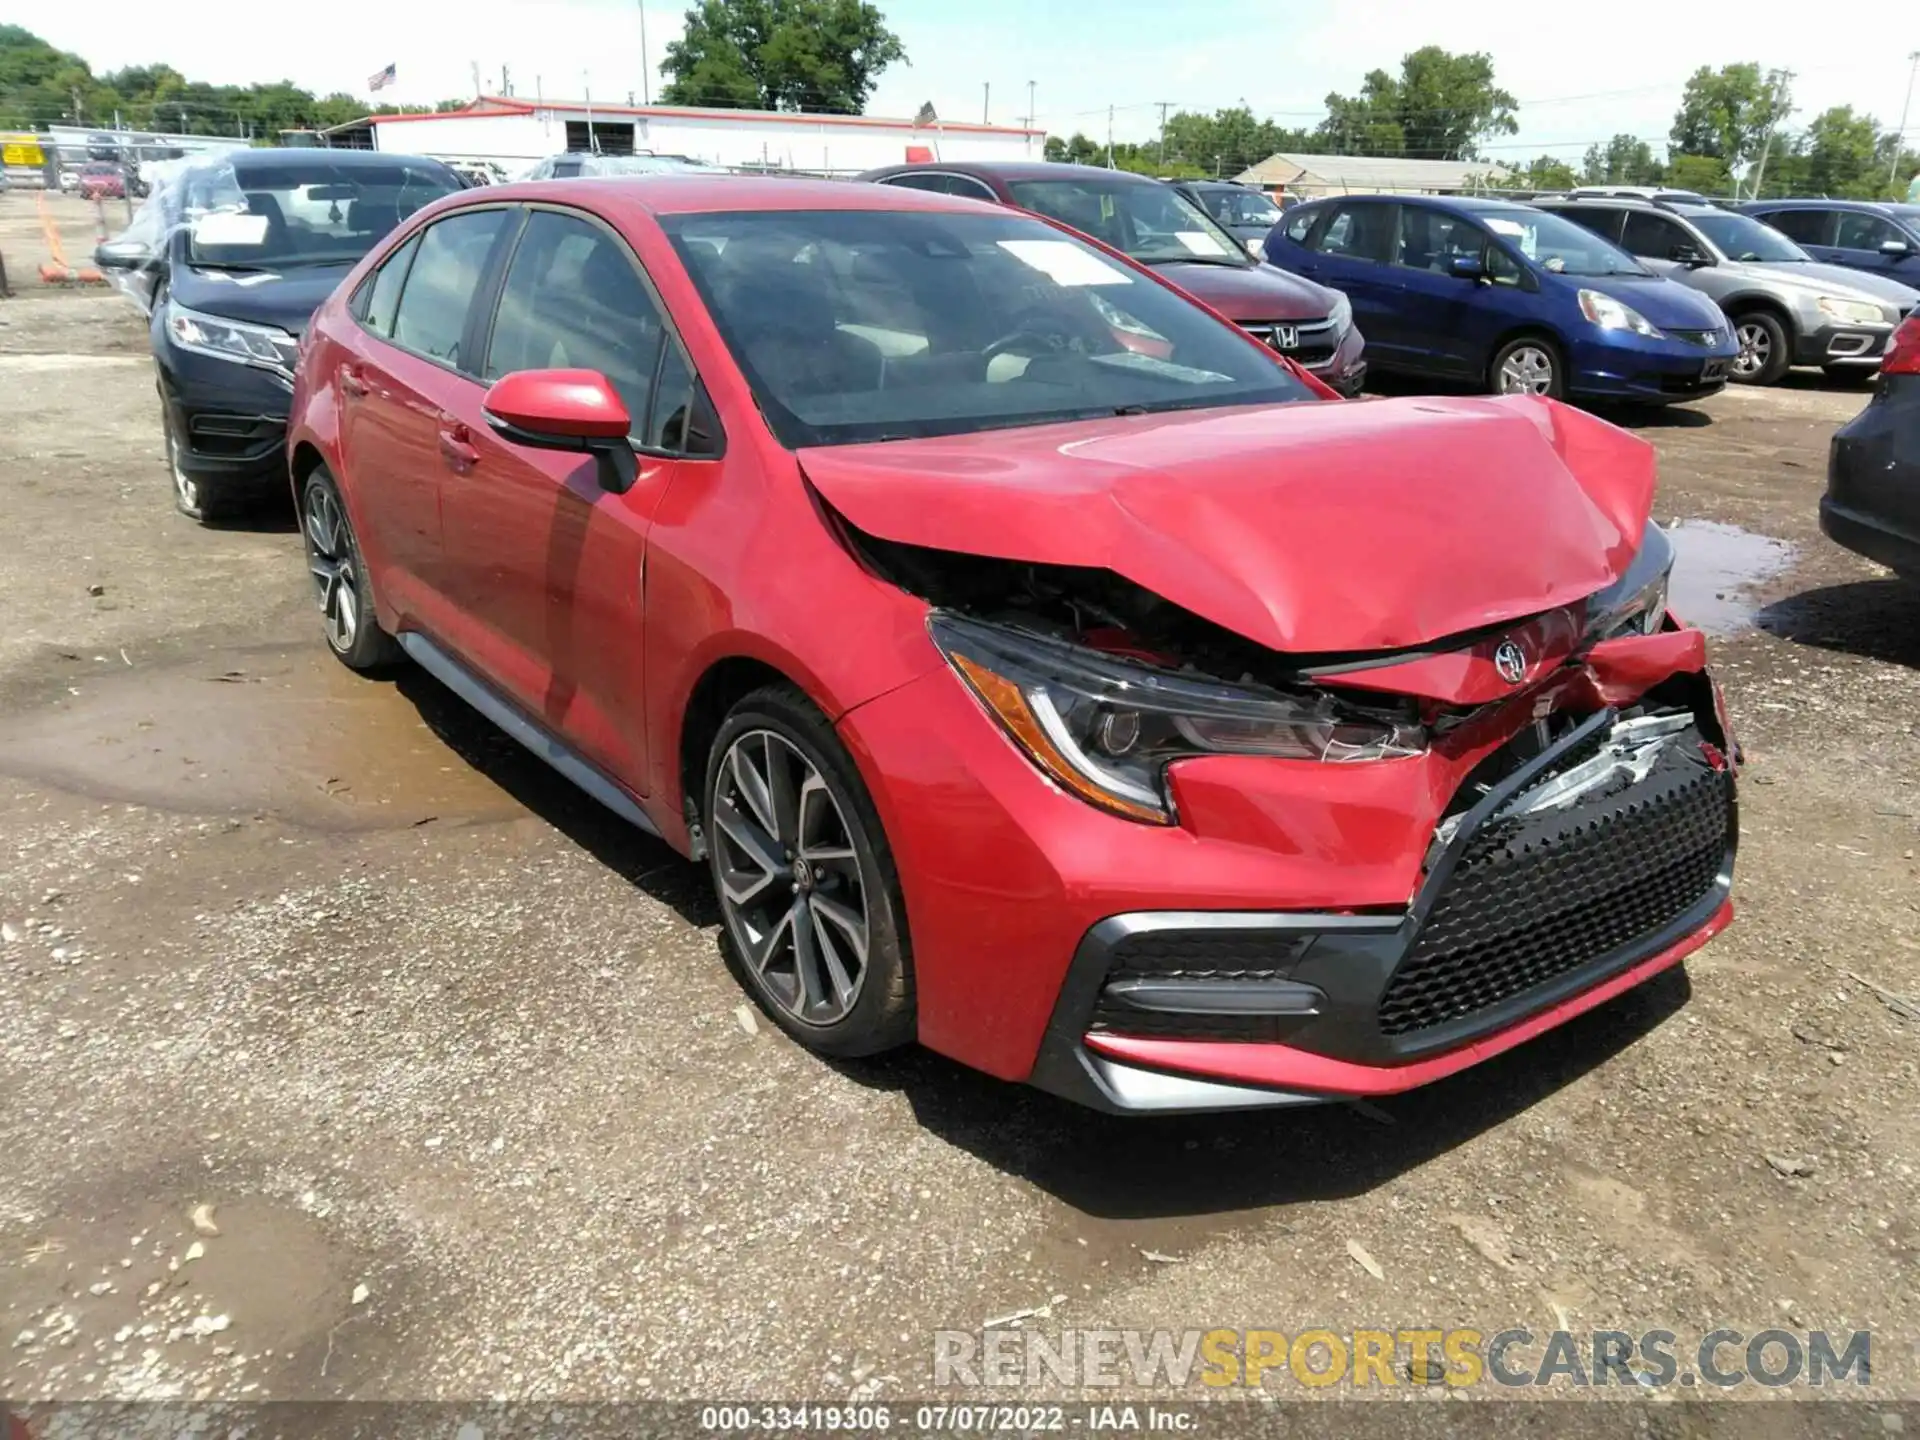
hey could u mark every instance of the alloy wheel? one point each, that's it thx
(1527, 370)
(330, 559)
(792, 886)
(1756, 348)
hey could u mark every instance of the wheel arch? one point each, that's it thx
(723, 684)
(1735, 306)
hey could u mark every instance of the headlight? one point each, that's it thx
(1610, 314)
(1636, 603)
(1342, 312)
(1106, 728)
(1851, 312)
(259, 345)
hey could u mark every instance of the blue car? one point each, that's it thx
(1508, 298)
(1859, 234)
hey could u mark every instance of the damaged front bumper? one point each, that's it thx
(1312, 931)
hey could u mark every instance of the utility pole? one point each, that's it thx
(646, 66)
(1900, 138)
(586, 86)
(475, 64)
(1163, 132)
(1110, 137)
(1779, 106)
(506, 83)
(986, 100)
(1030, 115)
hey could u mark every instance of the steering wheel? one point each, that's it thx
(1049, 343)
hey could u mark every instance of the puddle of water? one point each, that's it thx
(1716, 568)
(292, 734)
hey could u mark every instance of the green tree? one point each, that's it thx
(1440, 106)
(780, 55)
(1545, 172)
(1843, 155)
(1228, 141)
(1705, 173)
(1626, 160)
(1727, 114)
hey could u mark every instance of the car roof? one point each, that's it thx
(671, 193)
(1015, 170)
(1876, 207)
(345, 159)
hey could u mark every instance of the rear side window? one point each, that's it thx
(446, 270)
(572, 299)
(969, 189)
(1359, 232)
(1860, 231)
(1809, 227)
(935, 183)
(383, 295)
(1602, 222)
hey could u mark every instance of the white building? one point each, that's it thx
(514, 132)
(1311, 176)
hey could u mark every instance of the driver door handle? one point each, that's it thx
(456, 447)
(350, 381)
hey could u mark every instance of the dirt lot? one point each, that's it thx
(67, 228)
(452, 1059)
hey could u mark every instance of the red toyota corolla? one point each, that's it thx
(1045, 670)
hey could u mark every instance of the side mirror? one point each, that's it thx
(1896, 249)
(1689, 255)
(124, 255)
(565, 410)
(1467, 267)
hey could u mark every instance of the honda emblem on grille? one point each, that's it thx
(1511, 661)
(1286, 337)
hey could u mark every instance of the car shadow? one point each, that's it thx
(1158, 1167)
(1819, 382)
(644, 861)
(1653, 417)
(1875, 619)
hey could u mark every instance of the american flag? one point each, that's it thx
(381, 79)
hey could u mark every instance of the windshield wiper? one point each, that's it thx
(1225, 260)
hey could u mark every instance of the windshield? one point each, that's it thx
(1560, 246)
(1240, 207)
(864, 325)
(1152, 223)
(299, 211)
(1740, 238)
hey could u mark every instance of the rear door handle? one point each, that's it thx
(456, 448)
(350, 381)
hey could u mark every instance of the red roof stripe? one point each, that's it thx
(490, 105)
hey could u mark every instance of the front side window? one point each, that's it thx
(1300, 224)
(1808, 227)
(1154, 224)
(1864, 232)
(572, 300)
(856, 326)
(440, 285)
(1433, 240)
(302, 210)
(1654, 236)
(1741, 237)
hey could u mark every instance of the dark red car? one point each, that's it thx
(1155, 224)
(102, 180)
(1044, 670)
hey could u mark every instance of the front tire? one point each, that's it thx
(1764, 351)
(340, 579)
(809, 898)
(1529, 365)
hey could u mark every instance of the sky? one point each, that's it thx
(1618, 71)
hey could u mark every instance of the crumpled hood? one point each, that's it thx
(1310, 528)
(286, 298)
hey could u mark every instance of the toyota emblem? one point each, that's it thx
(1511, 661)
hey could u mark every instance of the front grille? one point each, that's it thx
(1197, 955)
(1705, 339)
(1536, 897)
(1311, 343)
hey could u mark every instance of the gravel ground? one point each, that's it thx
(350, 1054)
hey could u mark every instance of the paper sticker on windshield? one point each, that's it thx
(226, 227)
(1065, 263)
(1513, 229)
(1199, 242)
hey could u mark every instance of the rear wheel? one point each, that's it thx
(1527, 366)
(805, 879)
(1764, 354)
(340, 579)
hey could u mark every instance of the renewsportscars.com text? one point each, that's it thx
(1517, 1358)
